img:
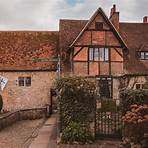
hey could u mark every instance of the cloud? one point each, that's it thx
(45, 14)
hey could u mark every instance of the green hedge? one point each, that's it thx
(129, 97)
(76, 100)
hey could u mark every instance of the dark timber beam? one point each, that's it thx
(78, 51)
(118, 52)
(98, 46)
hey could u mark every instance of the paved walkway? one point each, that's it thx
(47, 138)
(18, 135)
(47, 135)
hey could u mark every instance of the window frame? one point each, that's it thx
(108, 81)
(103, 54)
(141, 85)
(24, 81)
(99, 25)
(142, 55)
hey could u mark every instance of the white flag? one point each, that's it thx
(3, 82)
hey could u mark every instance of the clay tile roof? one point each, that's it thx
(22, 50)
(136, 37)
(69, 30)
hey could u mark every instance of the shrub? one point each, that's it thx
(1, 103)
(74, 132)
(76, 100)
(136, 122)
(129, 97)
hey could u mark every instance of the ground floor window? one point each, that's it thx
(105, 87)
(24, 81)
(139, 86)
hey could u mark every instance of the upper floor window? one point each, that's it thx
(99, 25)
(143, 55)
(99, 54)
(24, 81)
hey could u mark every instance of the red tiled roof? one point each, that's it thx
(21, 50)
(69, 30)
(136, 37)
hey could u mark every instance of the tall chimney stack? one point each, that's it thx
(114, 17)
(145, 19)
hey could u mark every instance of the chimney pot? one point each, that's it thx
(145, 19)
(114, 8)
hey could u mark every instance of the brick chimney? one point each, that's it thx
(145, 19)
(114, 17)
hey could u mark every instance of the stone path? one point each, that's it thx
(19, 134)
(47, 138)
(47, 134)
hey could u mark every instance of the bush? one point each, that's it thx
(1, 103)
(136, 123)
(74, 132)
(76, 99)
(129, 97)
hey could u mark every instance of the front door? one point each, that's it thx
(105, 87)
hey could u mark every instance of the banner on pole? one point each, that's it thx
(3, 82)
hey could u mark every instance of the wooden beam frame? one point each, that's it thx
(119, 53)
(98, 46)
(78, 51)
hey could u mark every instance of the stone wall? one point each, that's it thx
(8, 119)
(17, 97)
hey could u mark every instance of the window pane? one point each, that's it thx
(146, 55)
(101, 51)
(105, 89)
(99, 25)
(142, 55)
(96, 54)
(106, 54)
(137, 86)
(21, 81)
(91, 54)
(28, 81)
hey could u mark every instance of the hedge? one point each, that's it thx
(129, 97)
(76, 97)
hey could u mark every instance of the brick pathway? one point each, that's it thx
(19, 134)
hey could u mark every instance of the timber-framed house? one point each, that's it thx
(99, 49)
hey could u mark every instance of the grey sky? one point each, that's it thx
(44, 14)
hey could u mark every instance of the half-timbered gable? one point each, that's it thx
(98, 49)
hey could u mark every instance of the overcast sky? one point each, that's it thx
(45, 14)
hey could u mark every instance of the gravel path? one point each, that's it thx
(19, 134)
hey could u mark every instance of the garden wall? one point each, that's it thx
(25, 114)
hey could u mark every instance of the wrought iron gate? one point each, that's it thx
(108, 124)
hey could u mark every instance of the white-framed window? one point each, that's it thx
(99, 54)
(143, 55)
(24, 81)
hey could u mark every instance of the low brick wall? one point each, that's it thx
(25, 114)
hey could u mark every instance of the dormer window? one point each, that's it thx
(99, 25)
(143, 55)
